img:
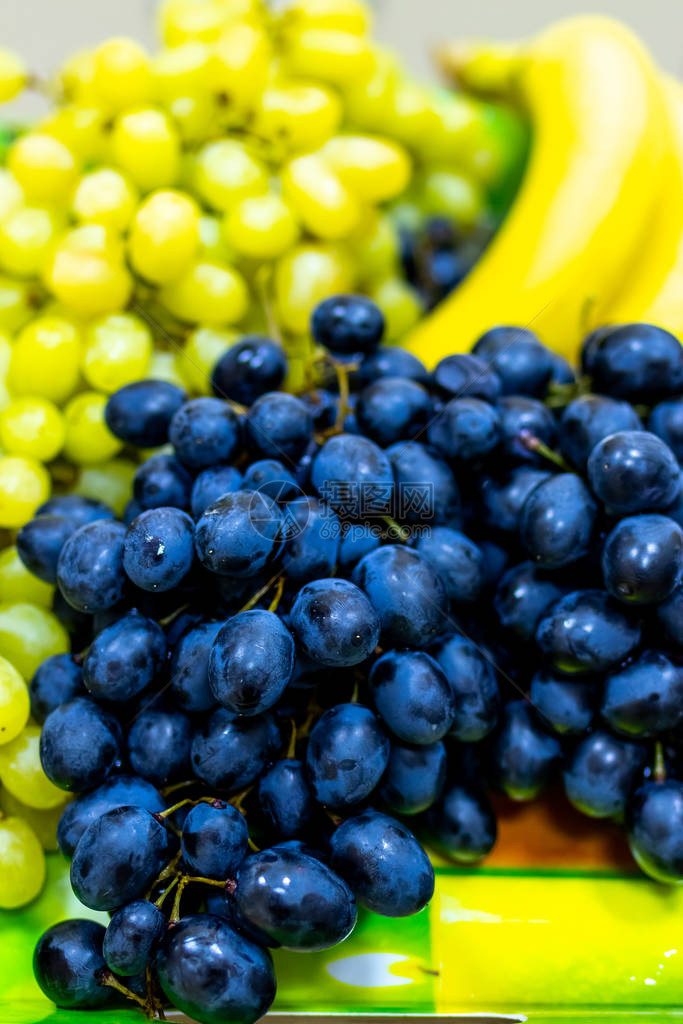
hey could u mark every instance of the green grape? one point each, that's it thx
(164, 237)
(104, 196)
(321, 200)
(374, 169)
(44, 167)
(75, 77)
(376, 249)
(305, 276)
(226, 172)
(24, 485)
(12, 195)
(22, 863)
(27, 238)
(117, 351)
(110, 483)
(32, 427)
(121, 74)
(200, 353)
(240, 63)
(14, 702)
(82, 129)
(210, 293)
(21, 772)
(400, 304)
(164, 366)
(446, 193)
(411, 118)
(29, 635)
(195, 118)
(45, 359)
(212, 243)
(297, 115)
(18, 302)
(370, 102)
(261, 227)
(5, 357)
(340, 58)
(181, 71)
(17, 584)
(87, 273)
(345, 15)
(145, 145)
(204, 20)
(43, 823)
(13, 76)
(88, 438)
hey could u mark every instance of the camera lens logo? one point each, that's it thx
(280, 506)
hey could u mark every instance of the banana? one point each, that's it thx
(653, 290)
(601, 140)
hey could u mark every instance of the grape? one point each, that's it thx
(654, 830)
(162, 480)
(39, 544)
(413, 696)
(261, 227)
(28, 635)
(43, 167)
(117, 791)
(79, 745)
(437, 497)
(313, 547)
(524, 759)
(87, 275)
(104, 196)
(383, 863)
(642, 559)
(640, 362)
(118, 857)
(212, 483)
(347, 755)
(121, 76)
(466, 375)
(520, 360)
(334, 623)
(463, 824)
(326, 207)
(12, 75)
(456, 559)
(164, 236)
(46, 359)
(124, 658)
(90, 568)
(32, 427)
(225, 172)
(17, 584)
(470, 674)
(240, 63)
(131, 937)
(158, 551)
(557, 521)
(68, 962)
(21, 772)
(251, 662)
(208, 292)
(566, 705)
(633, 471)
(189, 668)
(294, 900)
(141, 413)
(601, 773)
(589, 419)
(279, 425)
(57, 679)
(229, 752)
(585, 632)
(249, 369)
(285, 798)
(214, 841)
(239, 534)
(117, 351)
(14, 702)
(146, 147)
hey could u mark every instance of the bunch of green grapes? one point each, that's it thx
(258, 162)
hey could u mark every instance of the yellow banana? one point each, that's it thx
(600, 144)
(652, 291)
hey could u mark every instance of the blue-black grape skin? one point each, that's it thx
(211, 484)
(589, 419)
(116, 791)
(464, 374)
(666, 421)
(557, 521)
(214, 840)
(346, 324)
(40, 542)
(90, 567)
(293, 900)
(162, 480)
(407, 594)
(670, 616)
(522, 363)
(159, 745)
(640, 362)
(80, 744)
(229, 753)
(524, 758)
(239, 534)
(213, 974)
(645, 698)
(272, 478)
(523, 596)
(471, 677)
(412, 696)
(391, 361)
(456, 559)
(286, 798)
(118, 857)
(466, 428)
(131, 936)
(251, 662)
(203, 432)
(383, 863)
(642, 559)
(75, 507)
(436, 499)
(655, 829)
(587, 631)
(565, 705)
(124, 658)
(334, 623)
(502, 500)
(140, 413)
(158, 551)
(347, 754)
(522, 418)
(362, 468)
(633, 471)
(392, 409)
(67, 964)
(414, 778)
(601, 773)
(188, 681)
(248, 369)
(312, 547)
(279, 426)
(57, 679)
(462, 824)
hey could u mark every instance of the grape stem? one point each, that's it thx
(401, 532)
(160, 900)
(168, 619)
(534, 444)
(108, 979)
(291, 749)
(262, 280)
(279, 587)
(255, 598)
(659, 770)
